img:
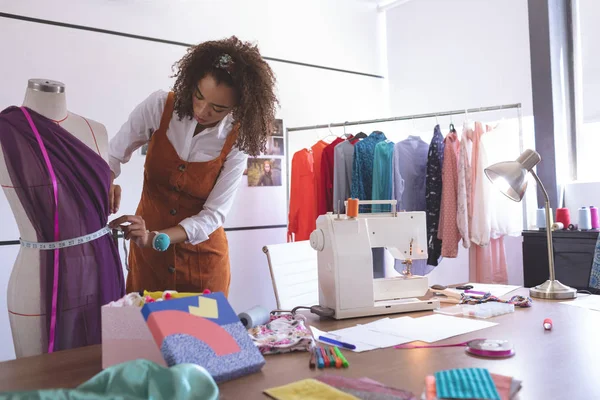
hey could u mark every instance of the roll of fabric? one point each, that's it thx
(595, 218)
(585, 219)
(563, 216)
(257, 315)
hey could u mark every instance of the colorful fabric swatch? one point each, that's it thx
(467, 383)
(365, 388)
(283, 334)
(308, 389)
(507, 387)
(203, 330)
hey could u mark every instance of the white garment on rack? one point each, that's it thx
(482, 193)
(464, 186)
(502, 144)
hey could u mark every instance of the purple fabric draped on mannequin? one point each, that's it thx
(90, 274)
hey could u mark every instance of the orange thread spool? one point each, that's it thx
(352, 208)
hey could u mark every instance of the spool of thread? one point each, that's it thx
(255, 316)
(352, 208)
(562, 215)
(595, 218)
(585, 219)
(541, 218)
(558, 226)
(572, 227)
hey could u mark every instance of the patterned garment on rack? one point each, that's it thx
(362, 168)
(595, 274)
(283, 334)
(433, 195)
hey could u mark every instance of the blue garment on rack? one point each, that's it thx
(595, 274)
(362, 168)
(433, 195)
(383, 175)
(410, 171)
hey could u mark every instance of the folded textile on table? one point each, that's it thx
(506, 388)
(365, 388)
(308, 389)
(203, 330)
(283, 334)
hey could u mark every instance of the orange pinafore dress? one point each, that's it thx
(173, 190)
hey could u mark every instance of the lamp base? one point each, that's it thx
(553, 290)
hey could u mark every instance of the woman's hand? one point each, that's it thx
(114, 197)
(136, 230)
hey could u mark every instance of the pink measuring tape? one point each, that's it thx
(52, 337)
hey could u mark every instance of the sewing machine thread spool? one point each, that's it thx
(595, 218)
(585, 218)
(352, 208)
(257, 315)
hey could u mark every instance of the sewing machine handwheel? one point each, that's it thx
(317, 240)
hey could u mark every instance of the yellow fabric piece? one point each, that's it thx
(207, 308)
(308, 389)
(174, 295)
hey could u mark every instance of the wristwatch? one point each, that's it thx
(161, 241)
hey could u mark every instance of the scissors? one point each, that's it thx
(465, 287)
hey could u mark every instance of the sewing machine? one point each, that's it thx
(345, 262)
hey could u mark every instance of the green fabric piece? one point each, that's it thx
(467, 383)
(135, 380)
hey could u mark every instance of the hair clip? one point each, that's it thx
(224, 62)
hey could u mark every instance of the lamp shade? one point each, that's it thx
(510, 176)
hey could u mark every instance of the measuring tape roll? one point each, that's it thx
(66, 243)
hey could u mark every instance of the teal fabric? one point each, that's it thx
(595, 274)
(467, 383)
(382, 175)
(135, 380)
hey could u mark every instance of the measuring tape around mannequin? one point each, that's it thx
(66, 243)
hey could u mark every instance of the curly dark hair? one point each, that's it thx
(246, 72)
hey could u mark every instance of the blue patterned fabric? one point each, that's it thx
(362, 168)
(433, 195)
(595, 274)
(466, 383)
(383, 175)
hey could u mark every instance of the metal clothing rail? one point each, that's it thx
(400, 118)
(405, 117)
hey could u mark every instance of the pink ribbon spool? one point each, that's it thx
(595, 217)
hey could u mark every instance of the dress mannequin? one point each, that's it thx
(27, 311)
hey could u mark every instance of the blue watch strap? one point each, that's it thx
(161, 241)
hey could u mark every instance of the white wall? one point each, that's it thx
(106, 76)
(448, 55)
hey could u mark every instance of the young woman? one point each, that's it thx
(221, 110)
(266, 179)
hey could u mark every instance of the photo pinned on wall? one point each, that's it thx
(278, 128)
(274, 146)
(264, 172)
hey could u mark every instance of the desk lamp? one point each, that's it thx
(509, 178)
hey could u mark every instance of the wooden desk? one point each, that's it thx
(557, 364)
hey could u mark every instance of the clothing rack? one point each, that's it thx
(402, 118)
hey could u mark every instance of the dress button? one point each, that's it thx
(182, 167)
(173, 211)
(171, 269)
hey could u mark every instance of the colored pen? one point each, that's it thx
(331, 357)
(312, 362)
(338, 361)
(337, 342)
(319, 356)
(345, 363)
(325, 357)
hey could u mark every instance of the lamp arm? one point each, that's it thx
(548, 226)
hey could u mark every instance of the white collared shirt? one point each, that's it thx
(205, 146)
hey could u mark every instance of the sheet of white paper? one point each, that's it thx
(360, 346)
(591, 302)
(363, 338)
(495, 290)
(430, 328)
(439, 327)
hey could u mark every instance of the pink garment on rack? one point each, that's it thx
(448, 228)
(487, 264)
